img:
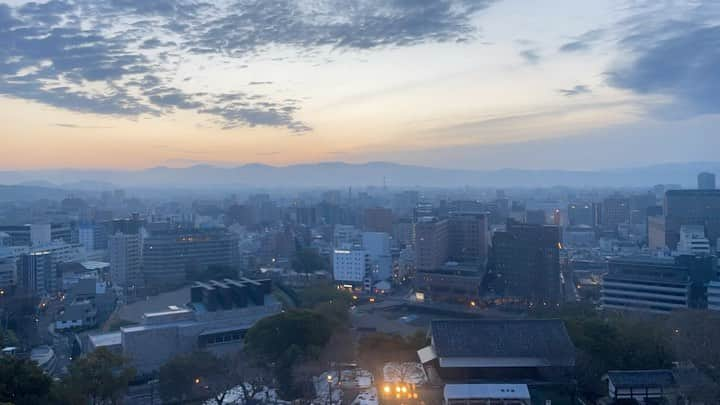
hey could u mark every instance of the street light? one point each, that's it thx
(197, 380)
(329, 380)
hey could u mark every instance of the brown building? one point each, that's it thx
(379, 219)
(431, 243)
(468, 238)
(528, 259)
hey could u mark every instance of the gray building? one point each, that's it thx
(37, 273)
(216, 319)
(706, 181)
(168, 256)
(691, 207)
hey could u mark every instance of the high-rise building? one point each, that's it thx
(468, 238)
(86, 236)
(656, 232)
(528, 259)
(126, 260)
(379, 219)
(615, 211)
(431, 243)
(8, 273)
(691, 207)
(377, 246)
(169, 255)
(37, 273)
(706, 181)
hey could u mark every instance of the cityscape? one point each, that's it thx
(371, 202)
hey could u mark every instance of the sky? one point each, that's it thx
(472, 84)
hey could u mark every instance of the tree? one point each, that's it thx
(694, 337)
(7, 338)
(101, 377)
(285, 339)
(200, 375)
(22, 382)
(307, 260)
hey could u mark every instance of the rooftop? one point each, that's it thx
(486, 391)
(106, 339)
(538, 339)
(641, 378)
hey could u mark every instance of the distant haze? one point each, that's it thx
(342, 175)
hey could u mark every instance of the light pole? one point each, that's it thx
(329, 380)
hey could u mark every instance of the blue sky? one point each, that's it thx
(449, 83)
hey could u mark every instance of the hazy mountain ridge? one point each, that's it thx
(339, 174)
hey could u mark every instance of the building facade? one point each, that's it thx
(527, 258)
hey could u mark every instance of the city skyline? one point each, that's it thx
(455, 84)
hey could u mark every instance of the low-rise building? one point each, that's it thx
(656, 284)
(216, 319)
(473, 351)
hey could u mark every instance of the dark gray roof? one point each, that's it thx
(542, 338)
(641, 378)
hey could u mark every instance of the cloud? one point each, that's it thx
(531, 56)
(574, 91)
(75, 126)
(675, 59)
(583, 42)
(119, 57)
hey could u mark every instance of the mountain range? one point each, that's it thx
(342, 175)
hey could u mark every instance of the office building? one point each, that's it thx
(169, 255)
(125, 252)
(346, 236)
(656, 284)
(8, 274)
(527, 257)
(468, 238)
(452, 283)
(216, 319)
(377, 247)
(615, 211)
(706, 181)
(693, 241)
(713, 295)
(37, 274)
(691, 207)
(306, 216)
(351, 266)
(656, 232)
(581, 214)
(431, 243)
(86, 236)
(379, 219)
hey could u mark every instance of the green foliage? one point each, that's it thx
(287, 338)
(307, 260)
(611, 343)
(272, 337)
(8, 338)
(22, 382)
(178, 376)
(100, 377)
(328, 301)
